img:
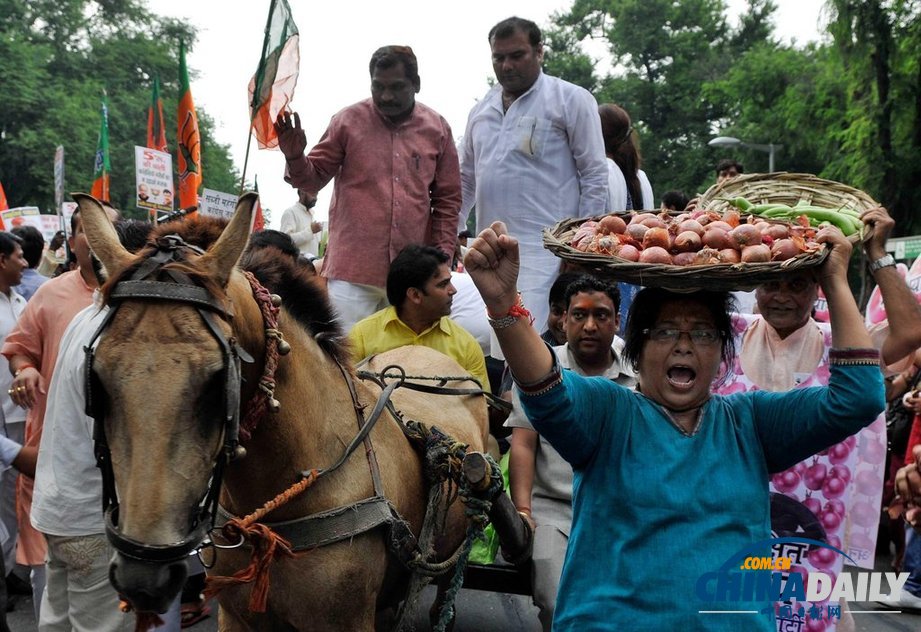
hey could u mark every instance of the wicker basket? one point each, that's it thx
(724, 276)
(785, 188)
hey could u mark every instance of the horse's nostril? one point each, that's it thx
(147, 587)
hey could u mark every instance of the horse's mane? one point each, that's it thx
(301, 294)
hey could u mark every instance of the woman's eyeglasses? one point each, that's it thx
(697, 336)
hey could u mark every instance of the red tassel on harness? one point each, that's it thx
(267, 547)
(143, 621)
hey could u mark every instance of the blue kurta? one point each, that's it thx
(654, 509)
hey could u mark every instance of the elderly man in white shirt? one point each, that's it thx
(532, 154)
(298, 222)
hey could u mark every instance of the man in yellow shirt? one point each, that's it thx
(420, 292)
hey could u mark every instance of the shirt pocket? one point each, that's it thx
(532, 135)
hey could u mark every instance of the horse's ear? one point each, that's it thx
(223, 255)
(101, 235)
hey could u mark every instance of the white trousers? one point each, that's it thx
(354, 301)
(78, 595)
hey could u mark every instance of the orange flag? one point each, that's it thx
(3, 205)
(102, 168)
(156, 130)
(189, 154)
(259, 221)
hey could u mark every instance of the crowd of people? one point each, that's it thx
(651, 432)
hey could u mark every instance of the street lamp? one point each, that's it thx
(729, 141)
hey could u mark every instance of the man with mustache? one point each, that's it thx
(397, 181)
(420, 292)
(532, 154)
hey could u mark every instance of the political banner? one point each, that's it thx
(154, 179)
(47, 225)
(21, 216)
(217, 204)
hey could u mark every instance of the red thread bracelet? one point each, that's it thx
(516, 311)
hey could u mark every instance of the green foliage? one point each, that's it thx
(56, 58)
(848, 109)
(661, 53)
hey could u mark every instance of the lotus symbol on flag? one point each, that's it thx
(188, 143)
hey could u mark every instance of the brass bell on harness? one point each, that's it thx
(274, 405)
(283, 347)
(276, 300)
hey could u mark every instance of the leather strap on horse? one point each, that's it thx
(496, 402)
(331, 526)
(267, 547)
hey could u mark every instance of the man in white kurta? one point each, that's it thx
(532, 154)
(297, 221)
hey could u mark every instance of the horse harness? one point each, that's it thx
(304, 533)
(143, 284)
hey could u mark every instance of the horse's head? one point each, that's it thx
(164, 380)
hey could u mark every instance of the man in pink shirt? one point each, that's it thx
(397, 181)
(32, 349)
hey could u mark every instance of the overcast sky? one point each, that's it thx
(336, 42)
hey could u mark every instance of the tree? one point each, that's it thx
(57, 57)
(848, 111)
(788, 96)
(879, 43)
(662, 53)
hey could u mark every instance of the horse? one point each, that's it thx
(185, 347)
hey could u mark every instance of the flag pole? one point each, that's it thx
(256, 90)
(249, 141)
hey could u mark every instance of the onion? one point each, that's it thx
(716, 238)
(730, 255)
(612, 224)
(639, 217)
(636, 231)
(628, 252)
(758, 253)
(687, 241)
(720, 224)
(584, 235)
(657, 237)
(684, 259)
(682, 217)
(655, 255)
(745, 235)
(654, 222)
(691, 224)
(732, 218)
(777, 231)
(784, 249)
(706, 257)
(606, 244)
(762, 226)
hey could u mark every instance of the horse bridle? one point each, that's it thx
(143, 285)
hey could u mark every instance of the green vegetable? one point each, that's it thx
(848, 225)
(738, 202)
(779, 212)
(760, 209)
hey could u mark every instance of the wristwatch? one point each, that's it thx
(882, 262)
